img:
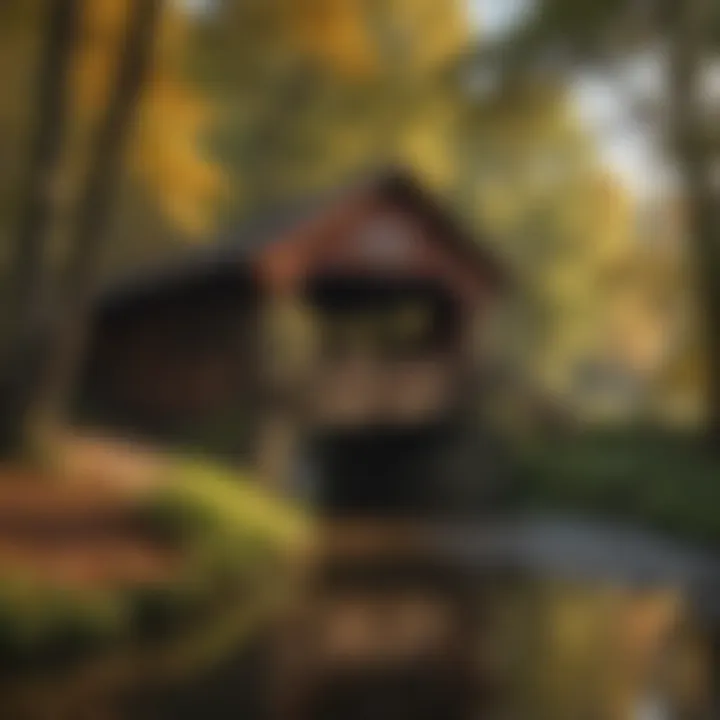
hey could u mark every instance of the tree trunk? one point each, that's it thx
(73, 314)
(27, 265)
(689, 135)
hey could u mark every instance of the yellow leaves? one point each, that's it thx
(447, 32)
(425, 34)
(565, 219)
(335, 32)
(426, 146)
(167, 153)
(380, 95)
(612, 211)
(498, 207)
(527, 119)
(357, 38)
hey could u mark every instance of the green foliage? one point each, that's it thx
(231, 531)
(592, 30)
(206, 499)
(665, 481)
(38, 618)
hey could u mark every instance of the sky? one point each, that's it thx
(494, 17)
(627, 149)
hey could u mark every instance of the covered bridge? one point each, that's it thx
(348, 324)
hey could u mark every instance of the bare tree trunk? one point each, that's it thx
(54, 391)
(689, 130)
(27, 264)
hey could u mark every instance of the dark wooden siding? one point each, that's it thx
(176, 362)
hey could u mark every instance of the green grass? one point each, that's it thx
(669, 482)
(204, 499)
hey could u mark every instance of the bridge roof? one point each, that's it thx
(242, 244)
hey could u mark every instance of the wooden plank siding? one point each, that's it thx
(174, 361)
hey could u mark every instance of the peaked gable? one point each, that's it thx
(285, 234)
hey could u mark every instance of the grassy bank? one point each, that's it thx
(226, 541)
(666, 481)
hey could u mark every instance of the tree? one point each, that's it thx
(689, 136)
(531, 177)
(52, 394)
(308, 107)
(565, 34)
(113, 87)
(168, 148)
(172, 185)
(38, 202)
